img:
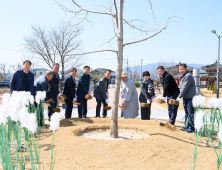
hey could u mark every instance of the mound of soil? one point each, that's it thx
(167, 147)
(168, 126)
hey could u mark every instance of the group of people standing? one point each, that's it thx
(187, 91)
(23, 80)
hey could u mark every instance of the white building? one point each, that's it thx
(39, 71)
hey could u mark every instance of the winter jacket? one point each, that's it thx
(17, 79)
(187, 86)
(169, 85)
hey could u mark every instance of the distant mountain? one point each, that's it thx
(152, 66)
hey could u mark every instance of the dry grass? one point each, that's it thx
(4, 90)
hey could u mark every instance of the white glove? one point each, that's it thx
(107, 101)
(148, 101)
(165, 98)
(123, 101)
(107, 93)
(178, 99)
(74, 99)
(149, 91)
(60, 94)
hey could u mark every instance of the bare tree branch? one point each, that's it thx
(107, 42)
(136, 27)
(81, 9)
(115, 14)
(145, 38)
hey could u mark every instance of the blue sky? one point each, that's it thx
(188, 40)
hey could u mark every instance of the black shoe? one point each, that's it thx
(104, 116)
(183, 128)
(97, 116)
(190, 130)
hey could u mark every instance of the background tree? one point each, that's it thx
(168, 65)
(116, 14)
(134, 73)
(56, 45)
(4, 71)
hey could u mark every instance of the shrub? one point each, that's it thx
(136, 84)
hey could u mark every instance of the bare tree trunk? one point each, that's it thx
(114, 119)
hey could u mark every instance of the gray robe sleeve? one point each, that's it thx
(128, 92)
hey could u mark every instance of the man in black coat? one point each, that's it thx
(170, 90)
(69, 91)
(82, 91)
(42, 84)
(147, 92)
(100, 93)
(23, 80)
(53, 89)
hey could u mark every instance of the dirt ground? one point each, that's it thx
(167, 147)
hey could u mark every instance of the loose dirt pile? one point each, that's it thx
(168, 126)
(167, 148)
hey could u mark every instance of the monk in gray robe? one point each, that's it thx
(129, 97)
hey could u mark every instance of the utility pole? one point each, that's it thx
(127, 66)
(218, 65)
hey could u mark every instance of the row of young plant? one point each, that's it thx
(208, 124)
(19, 130)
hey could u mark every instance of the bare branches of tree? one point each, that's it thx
(134, 73)
(116, 13)
(56, 45)
(4, 71)
(169, 67)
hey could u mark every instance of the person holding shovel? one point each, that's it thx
(42, 84)
(146, 96)
(170, 90)
(69, 92)
(130, 97)
(53, 89)
(101, 93)
(82, 91)
(187, 92)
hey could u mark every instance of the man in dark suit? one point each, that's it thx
(82, 91)
(147, 92)
(53, 89)
(23, 80)
(42, 84)
(69, 91)
(100, 93)
(170, 90)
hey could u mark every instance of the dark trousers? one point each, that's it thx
(82, 109)
(172, 109)
(52, 106)
(69, 107)
(189, 112)
(145, 113)
(98, 107)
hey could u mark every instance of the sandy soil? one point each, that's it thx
(166, 148)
